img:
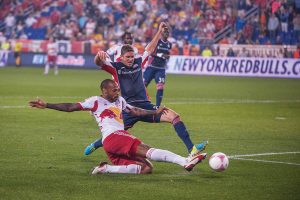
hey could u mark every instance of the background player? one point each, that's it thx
(156, 68)
(115, 51)
(52, 50)
(128, 72)
(126, 152)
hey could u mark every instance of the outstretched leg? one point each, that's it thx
(161, 155)
(172, 117)
(143, 166)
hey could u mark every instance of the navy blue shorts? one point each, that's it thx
(130, 120)
(159, 74)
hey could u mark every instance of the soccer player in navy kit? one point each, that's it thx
(156, 68)
(128, 73)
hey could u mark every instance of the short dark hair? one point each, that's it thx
(126, 48)
(124, 35)
(104, 84)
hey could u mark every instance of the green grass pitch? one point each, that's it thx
(41, 151)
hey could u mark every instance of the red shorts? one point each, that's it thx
(121, 148)
(52, 59)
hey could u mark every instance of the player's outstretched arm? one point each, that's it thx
(152, 45)
(139, 112)
(65, 107)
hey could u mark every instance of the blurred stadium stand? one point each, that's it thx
(85, 26)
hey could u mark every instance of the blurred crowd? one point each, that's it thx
(193, 23)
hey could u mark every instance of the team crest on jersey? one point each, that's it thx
(135, 65)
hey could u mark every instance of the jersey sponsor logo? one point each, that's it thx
(112, 113)
(163, 48)
(129, 72)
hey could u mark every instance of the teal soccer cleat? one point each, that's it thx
(89, 149)
(198, 148)
(93, 146)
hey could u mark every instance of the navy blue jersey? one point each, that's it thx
(129, 79)
(158, 57)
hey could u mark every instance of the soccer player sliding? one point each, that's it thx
(126, 152)
(128, 73)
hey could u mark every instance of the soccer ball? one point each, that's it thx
(218, 162)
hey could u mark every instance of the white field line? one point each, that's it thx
(173, 100)
(266, 161)
(46, 97)
(183, 101)
(241, 157)
(231, 101)
(262, 154)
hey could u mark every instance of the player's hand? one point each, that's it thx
(38, 103)
(162, 25)
(100, 58)
(161, 109)
(102, 55)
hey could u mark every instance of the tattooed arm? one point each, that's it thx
(65, 107)
(142, 112)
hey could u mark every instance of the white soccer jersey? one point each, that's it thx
(107, 115)
(52, 49)
(115, 52)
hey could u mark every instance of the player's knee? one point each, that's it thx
(160, 86)
(176, 119)
(146, 169)
(173, 116)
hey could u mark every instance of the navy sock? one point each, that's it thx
(183, 133)
(98, 143)
(159, 96)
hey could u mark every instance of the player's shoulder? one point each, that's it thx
(135, 49)
(92, 98)
(138, 59)
(121, 101)
(114, 48)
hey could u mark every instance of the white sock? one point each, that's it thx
(123, 169)
(46, 69)
(55, 69)
(165, 156)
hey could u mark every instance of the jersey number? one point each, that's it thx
(161, 80)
